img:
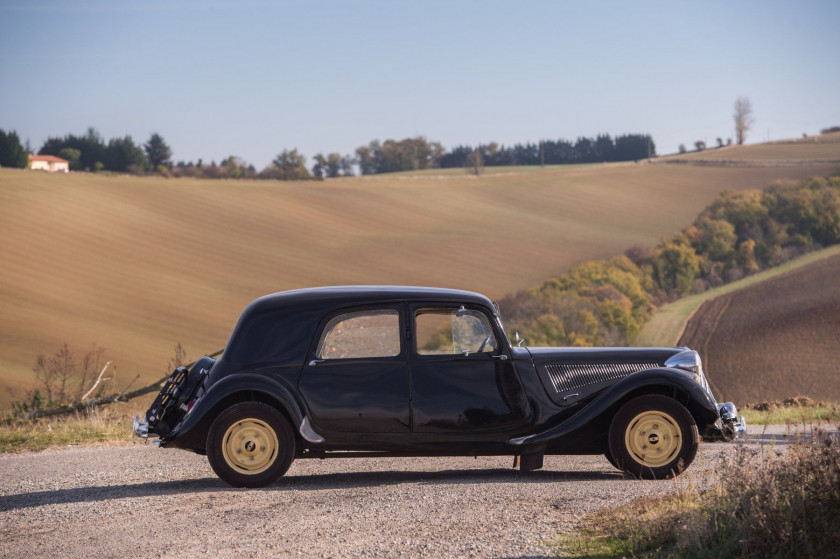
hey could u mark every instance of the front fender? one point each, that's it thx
(701, 403)
(192, 431)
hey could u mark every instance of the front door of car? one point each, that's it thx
(460, 381)
(356, 377)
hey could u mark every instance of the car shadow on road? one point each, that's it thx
(309, 482)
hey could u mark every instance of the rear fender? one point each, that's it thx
(700, 402)
(191, 433)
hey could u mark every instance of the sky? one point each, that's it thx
(252, 78)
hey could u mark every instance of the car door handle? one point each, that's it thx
(315, 362)
(501, 357)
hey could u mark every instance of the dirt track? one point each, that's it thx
(146, 502)
(775, 339)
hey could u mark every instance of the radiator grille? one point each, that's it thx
(570, 376)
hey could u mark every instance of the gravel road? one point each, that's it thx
(142, 501)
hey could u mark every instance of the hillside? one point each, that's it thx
(138, 264)
(774, 339)
(783, 153)
(666, 326)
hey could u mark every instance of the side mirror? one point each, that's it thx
(519, 341)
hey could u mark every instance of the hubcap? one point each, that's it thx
(653, 438)
(250, 446)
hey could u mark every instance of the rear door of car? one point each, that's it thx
(356, 378)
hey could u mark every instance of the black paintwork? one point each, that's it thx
(411, 404)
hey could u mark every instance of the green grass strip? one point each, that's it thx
(665, 327)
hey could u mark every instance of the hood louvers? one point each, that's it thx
(570, 376)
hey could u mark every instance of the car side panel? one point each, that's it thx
(465, 393)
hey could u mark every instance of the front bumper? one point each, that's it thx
(732, 422)
(728, 427)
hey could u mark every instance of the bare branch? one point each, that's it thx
(98, 380)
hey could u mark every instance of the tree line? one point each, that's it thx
(90, 151)
(607, 302)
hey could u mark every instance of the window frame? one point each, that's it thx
(399, 308)
(431, 305)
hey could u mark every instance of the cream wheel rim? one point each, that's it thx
(250, 446)
(653, 439)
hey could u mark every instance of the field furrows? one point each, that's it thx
(776, 339)
(138, 264)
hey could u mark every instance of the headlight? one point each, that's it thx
(688, 360)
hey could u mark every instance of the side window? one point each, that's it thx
(452, 332)
(371, 333)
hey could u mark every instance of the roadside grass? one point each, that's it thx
(791, 411)
(665, 327)
(105, 425)
(768, 503)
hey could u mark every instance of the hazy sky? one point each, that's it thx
(252, 78)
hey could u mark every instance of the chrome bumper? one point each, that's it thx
(732, 422)
(141, 428)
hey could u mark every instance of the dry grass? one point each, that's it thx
(105, 425)
(136, 264)
(768, 504)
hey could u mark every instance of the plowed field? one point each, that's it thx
(138, 264)
(775, 339)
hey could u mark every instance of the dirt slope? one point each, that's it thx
(775, 339)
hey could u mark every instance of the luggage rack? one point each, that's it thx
(165, 401)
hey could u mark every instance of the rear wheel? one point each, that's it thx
(250, 445)
(653, 437)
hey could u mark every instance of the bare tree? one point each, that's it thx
(64, 380)
(179, 359)
(743, 118)
(474, 163)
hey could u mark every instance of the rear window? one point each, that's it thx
(354, 335)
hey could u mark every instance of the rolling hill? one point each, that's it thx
(774, 339)
(138, 264)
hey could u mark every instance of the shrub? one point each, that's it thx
(767, 504)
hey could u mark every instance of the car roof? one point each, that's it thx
(363, 294)
(278, 328)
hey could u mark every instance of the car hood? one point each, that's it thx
(657, 355)
(573, 374)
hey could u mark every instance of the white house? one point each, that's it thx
(49, 163)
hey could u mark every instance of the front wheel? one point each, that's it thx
(653, 437)
(250, 445)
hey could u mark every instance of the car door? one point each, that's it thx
(460, 380)
(356, 377)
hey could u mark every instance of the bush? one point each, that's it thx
(768, 504)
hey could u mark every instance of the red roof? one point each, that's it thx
(47, 158)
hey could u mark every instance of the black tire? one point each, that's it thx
(250, 445)
(653, 437)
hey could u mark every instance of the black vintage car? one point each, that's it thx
(411, 371)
